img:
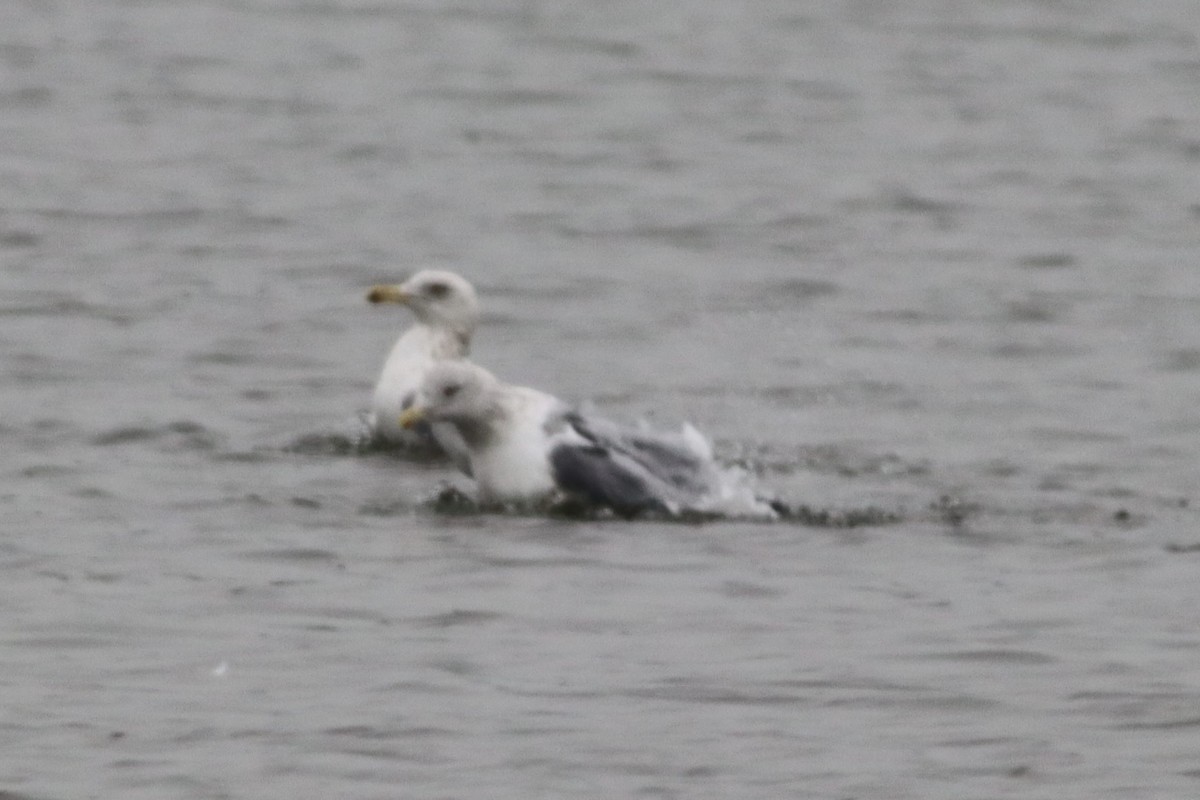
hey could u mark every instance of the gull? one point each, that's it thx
(447, 312)
(528, 448)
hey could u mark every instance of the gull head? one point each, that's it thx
(437, 298)
(453, 391)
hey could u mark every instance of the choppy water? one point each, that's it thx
(935, 258)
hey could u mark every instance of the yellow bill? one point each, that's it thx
(411, 416)
(384, 293)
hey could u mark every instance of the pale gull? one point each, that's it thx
(447, 312)
(528, 448)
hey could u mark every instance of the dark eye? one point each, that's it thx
(437, 290)
(451, 390)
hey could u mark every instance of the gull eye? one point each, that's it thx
(437, 290)
(449, 391)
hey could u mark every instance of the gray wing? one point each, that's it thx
(606, 478)
(667, 457)
(628, 470)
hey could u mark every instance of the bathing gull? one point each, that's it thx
(527, 447)
(447, 312)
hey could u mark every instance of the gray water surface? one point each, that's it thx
(933, 258)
